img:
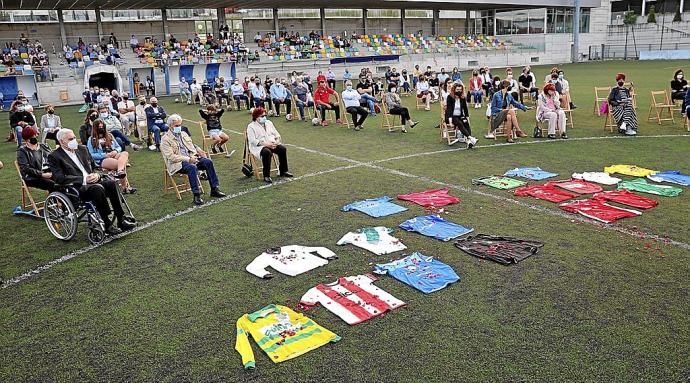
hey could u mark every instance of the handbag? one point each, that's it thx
(247, 169)
(537, 132)
(604, 108)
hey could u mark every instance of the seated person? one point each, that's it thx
(32, 158)
(219, 89)
(394, 105)
(155, 117)
(108, 155)
(72, 165)
(351, 99)
(424, 92)
(476, 89)
(279, 96)
(679, 87)
(365, 88)
(86, 129)
(215, 130)
(501, 112)
(50, 124)
(513, 87)
(549, 109)
(264, 140)
(258, 93)
(566, 100)
(527, 83)
(238, 94)
(208, 93)
(621, 104)
(406, 81)
(20, 119)
(303, 97)
(114, 127)
(185, 92)
(458, 115)
(323, 103)
(181, 155)
(127, 111)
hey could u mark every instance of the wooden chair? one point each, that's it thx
(206, 140)
(345, 116)
(609, 121)
(501, 130)
(686, 122)
(386, 121)
(598, 98)
(660, 103)
(169, 183)
(448, 132)
(309, 112)
(28, 201)
(633, 95)
(257, 167)
(418, 101)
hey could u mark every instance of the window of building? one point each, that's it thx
(417, 13)
(384, 14)
(257, 13)
(299, 13)
(343, 13)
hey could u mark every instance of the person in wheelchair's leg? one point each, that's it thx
(181, 155)
(108, 154)
(264, 140)
(32, 158)
(72, 165)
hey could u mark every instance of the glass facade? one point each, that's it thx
(298, 13)
(558, 20)
(343, 13)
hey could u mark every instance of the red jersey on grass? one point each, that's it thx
(436, 197)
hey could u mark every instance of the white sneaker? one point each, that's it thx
(427, 108)
(630, 132)
(490, 136)
(624, 127)
(473, 140)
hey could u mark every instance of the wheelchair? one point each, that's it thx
(64, 210)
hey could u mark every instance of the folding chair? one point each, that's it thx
(169, 182)
(28, 201)
(659, 107)
(386, 120)
(447, 131)
(418, 101)
(633, 95)
(345, 116)
(309, 112)
(500, 131)
(253, 161)
(677, 104)
(687, 123)
(609, 121)
(207, 141)
(598, 99)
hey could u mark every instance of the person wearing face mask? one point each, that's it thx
(443, 76)
(501, 112)
(50, 124)
(155, 116)
(127, 111)
(215, 130)
(32, 158)
(181, 155)
(185, 92)
(219, 89)
(258, 94)
(323, 102)
(423, 92)
(150, 87)
(549, 109)
(406, 81)
(566, 101)
(366, 90)
(264, 141)
(239, 94)
(476, 89)
(434, 86)
(352, 98)
(679, 87)
(456, 76)
(330, 78)
(108, 155)
(547, 79)
(395, 107)
(196, 92)
(142, 122)
(114, 127)
(280, 96)
(513, 87)
(303, 97)
(393, 79)
(20, 119)
(458, 115)
(86, 129)
(487, 81)
(527, 83)
(620, 101)
(72, 165)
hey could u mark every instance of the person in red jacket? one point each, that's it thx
(323, 103)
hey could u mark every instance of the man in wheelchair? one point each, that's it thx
(72, 166)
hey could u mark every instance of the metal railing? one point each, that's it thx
(631, 51)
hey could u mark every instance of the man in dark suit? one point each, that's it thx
(71, 164)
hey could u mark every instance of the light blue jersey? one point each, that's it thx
(436, 227)
(425, 274)
(530, 173)
(375, 207)
(672, 176)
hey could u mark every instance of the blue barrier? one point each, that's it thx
(680, 54)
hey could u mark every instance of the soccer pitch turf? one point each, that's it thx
(598, 303)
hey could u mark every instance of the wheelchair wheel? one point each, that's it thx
(60, 216)
(95, 235)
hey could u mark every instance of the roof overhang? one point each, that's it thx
(248, 4)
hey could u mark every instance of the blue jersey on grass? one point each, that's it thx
(530, 173)
(436, 227)
(672, 176)
(375, 207)
(425, 274)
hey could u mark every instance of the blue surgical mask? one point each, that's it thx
(73, 144)
(349, 87)
(177, 129)
(262, 120)
(104, 115)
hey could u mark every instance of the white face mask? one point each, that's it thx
(349, 87)
(262, 120)
(393, 90)
(73, 144)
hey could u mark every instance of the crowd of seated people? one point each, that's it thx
(104, 52)
(227, 47)
(24, 52)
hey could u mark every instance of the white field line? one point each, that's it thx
(15, 280)
(371, 164)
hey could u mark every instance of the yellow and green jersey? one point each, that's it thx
(629, 170)
(282, 333)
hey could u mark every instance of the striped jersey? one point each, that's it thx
(354, 299)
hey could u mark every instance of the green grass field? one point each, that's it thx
(599, 303)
